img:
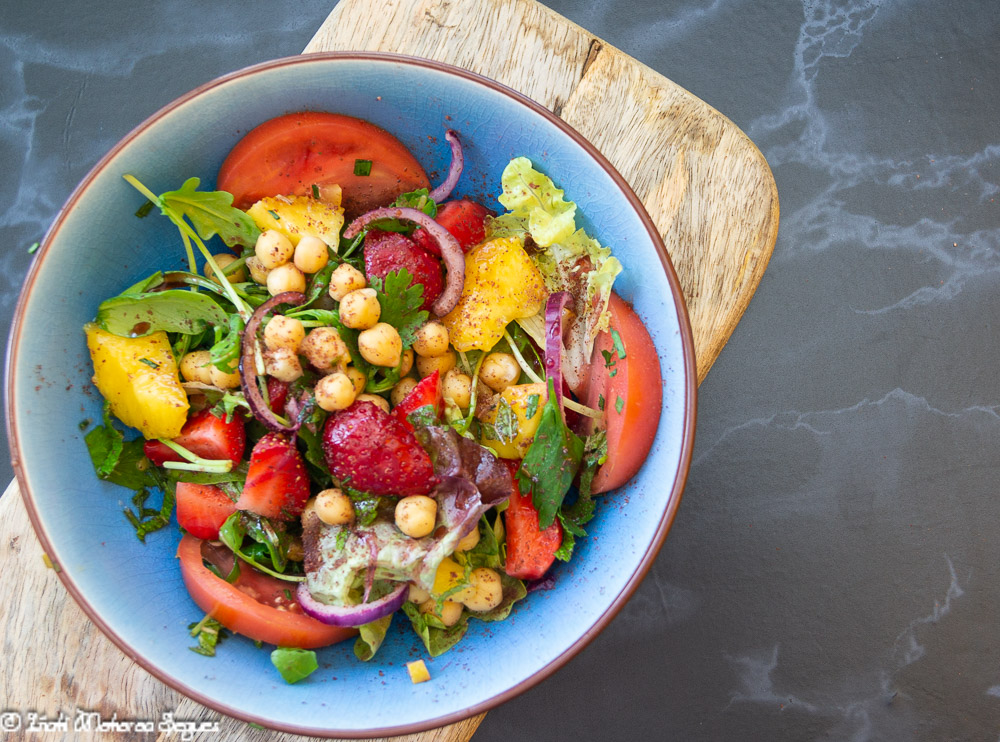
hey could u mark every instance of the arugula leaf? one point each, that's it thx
(225, 354)
(401, 303)
(551, 462)
(209, 633)
(294, 664)
(211, 213)
(241, 524)
(173, 310)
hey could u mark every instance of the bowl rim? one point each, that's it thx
(689, 397)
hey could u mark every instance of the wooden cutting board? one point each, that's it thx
(706, 186)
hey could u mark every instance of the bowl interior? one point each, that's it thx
(134, 590)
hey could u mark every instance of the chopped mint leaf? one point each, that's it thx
(619, 405)
(363, 168)
(619, 345)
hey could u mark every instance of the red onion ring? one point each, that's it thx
(351, 615)
(248, 363)
(444, 190)
(553, 341)
(451, 251)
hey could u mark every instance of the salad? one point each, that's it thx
(373, 398)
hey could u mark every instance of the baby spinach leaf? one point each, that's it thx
(294, 664)
(173, 310)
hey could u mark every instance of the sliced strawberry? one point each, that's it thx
(374, 452)
(530, 551)
(204, 435)
(466, 220)
(277, 393)
(202, 509)
(277, 484)
(386, 252)
(427, 393)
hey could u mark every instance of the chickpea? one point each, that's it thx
(499, 371)
(417, 594)
(273, 249)
(285, 278)
(402, 388)
(360, 309)
(450, 614)
(469, 540)
(196, 366)
(283, 332)
(222, 379)
(311, 254)
(335, 392)
(357, 378)
(431, 339)
(257, 270)
(375, 399)
(334, 508)
(407, 363)
(222, 260)
(345, 279)
(325, 349)
(487, 591)
(442, 363)
(381, 345)
(457, 387)
(283, 364)
(416, 515)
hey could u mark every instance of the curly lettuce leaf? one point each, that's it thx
(533, 197)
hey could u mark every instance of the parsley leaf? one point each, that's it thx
(401, 303)
(551, 462)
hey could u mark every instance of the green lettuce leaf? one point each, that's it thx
(437, 637)
(370, 637)
(294, 664)
(533, 197)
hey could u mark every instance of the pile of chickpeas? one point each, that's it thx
(281, 267)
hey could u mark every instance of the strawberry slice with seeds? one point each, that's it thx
(277, 485)
(466, 220)
(374, 452)
(204, 435)
(202, 509)
(427, 393)
(386, 252)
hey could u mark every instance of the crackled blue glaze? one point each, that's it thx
(98, 247)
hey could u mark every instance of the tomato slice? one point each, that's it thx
(236, 606)
(630, 391)
(289, 154)
(202, 509)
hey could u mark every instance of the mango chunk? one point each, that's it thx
(521, 399)
(501, 285)
(298, 216)
(418, 671)
(138, 376)
(450, 574)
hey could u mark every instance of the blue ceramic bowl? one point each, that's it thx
(133, 591)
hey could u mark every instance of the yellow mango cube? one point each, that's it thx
(450, 574)
(298, 216)
(418, 671)
(138, 376)
(519, 397)
(501, 285)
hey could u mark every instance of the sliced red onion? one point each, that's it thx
(248, 363)
(451, 251)
(351, 615)
(553, 340)
(444, 190)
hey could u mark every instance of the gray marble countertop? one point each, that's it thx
(833, 570)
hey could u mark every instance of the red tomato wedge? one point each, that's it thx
(466, 220)
(427, 393)
(631, 392)
(248, 606)
(289, 154)
(202, 509)
(530, 551)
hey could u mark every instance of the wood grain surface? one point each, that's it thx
(703, 182)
